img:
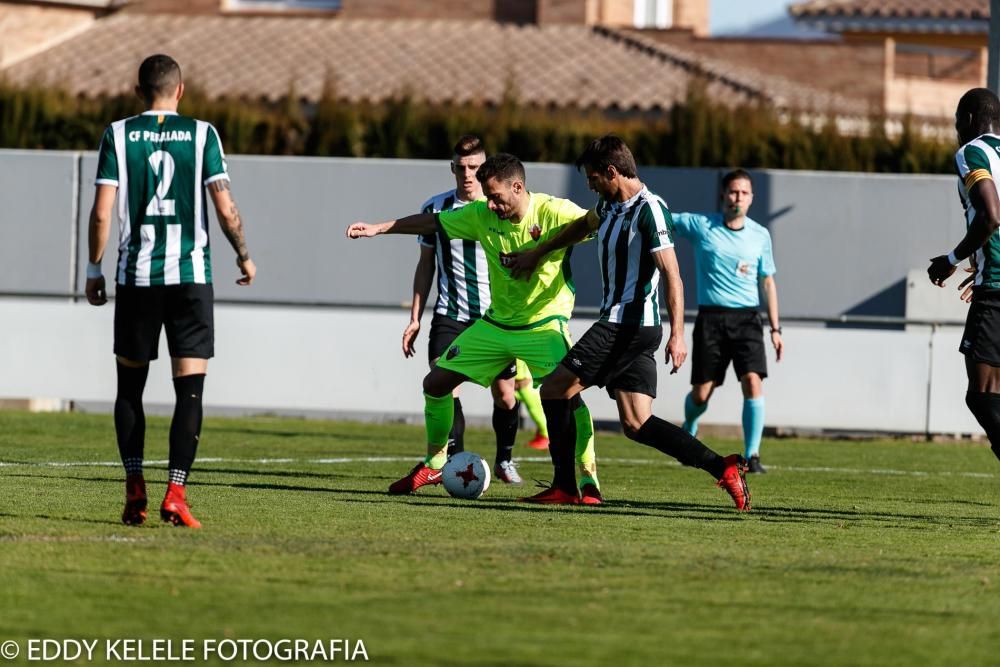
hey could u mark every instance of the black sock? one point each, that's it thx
(986, 408)
(456, 439)
(505, 426)
(130, 420)
(562, 442)
(678, 443)
(185, 427)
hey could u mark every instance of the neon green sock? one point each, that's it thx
(529, 396)
(586, 455)
(438, 416)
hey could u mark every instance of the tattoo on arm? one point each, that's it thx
(232, 227)
(220, 185)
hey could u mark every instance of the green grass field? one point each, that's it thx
(856, 553)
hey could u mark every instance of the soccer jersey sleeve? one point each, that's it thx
(557, 213)
(688, 224)
(467, 222)
(655, 224)
(107, 160)
(214, 165)
(427, 240)
(765, 265)
(973, 165)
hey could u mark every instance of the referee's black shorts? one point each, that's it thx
(184, 311)
(981, 338)
(723, 336)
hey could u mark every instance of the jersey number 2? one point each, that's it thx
(158, 205)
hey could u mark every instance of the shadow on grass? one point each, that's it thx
(695, 510)
(323, 435)
(711, 511)
(813, 514)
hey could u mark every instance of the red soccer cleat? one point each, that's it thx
(590, 495)
(734, 481)
(552, 496)
(134, 513)
(421, 475)
(538, 442)
(175, 509)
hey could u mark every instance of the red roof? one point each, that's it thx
(374, 60)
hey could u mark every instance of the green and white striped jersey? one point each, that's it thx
(161, 163)
(463, 284)
(976, 161)
(630, 232)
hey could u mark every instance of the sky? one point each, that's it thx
(730, 17)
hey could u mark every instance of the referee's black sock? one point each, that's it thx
(986, 408)
(130, 420)
(185, 427)
(678, 443)
(562, 442)
(456, 439)
(505, 426)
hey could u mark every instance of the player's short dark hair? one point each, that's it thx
(159, 75)
(982, 104)
(608, 151)
(503, 167)
(468, 144)
(736, 175)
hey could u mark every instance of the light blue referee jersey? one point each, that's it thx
(729, 263)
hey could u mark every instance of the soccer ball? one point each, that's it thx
(466, 475)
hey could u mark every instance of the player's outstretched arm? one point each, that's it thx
(420, 223)
(987, 221)
(232, 227)
(676, 350)
(522, 264)
(97, 238)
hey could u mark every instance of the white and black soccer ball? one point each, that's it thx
(466, 476)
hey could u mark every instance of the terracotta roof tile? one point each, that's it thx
(922, 9)
(369, 59)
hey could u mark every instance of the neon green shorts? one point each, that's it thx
(522, 372)
(484, 349)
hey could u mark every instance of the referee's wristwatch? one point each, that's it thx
(776, 330)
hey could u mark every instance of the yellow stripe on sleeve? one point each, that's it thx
(975, 176)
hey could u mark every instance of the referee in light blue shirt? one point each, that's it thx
(732, 255)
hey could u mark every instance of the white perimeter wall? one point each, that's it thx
(348, 361)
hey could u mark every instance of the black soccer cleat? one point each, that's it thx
(755, 466)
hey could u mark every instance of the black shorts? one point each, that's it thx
(724, 335)
(444, 330)
(981, 338)
(185, 311)
(617, 356)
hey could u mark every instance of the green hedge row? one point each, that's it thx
(694, 134)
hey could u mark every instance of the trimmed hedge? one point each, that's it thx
(693, 134)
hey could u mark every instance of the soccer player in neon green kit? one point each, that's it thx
(526, 320)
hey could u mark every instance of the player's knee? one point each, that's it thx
(434, 387)
(700, 393)
(752, 386)
(505, 401)
(631, 427)
(555, 389)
